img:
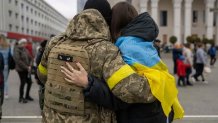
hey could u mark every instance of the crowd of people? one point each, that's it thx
(21, 58)
(190, 64)
(105, 68)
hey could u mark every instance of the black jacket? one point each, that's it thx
(98, 92)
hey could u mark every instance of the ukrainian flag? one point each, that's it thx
(144, 59)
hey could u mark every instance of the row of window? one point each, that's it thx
(29, 20)
(27, 9)
(195, 18)
(28, 31)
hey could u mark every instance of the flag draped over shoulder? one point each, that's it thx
(144, 59)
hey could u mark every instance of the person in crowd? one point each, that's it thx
(181, 70)
(212, 54)
(1, 83)
(177, 51)
(87, 38)
(5, 50)
(133, 27)
(29, 48)
(187, 52)
(201, 61)
(41, 85)
(23, 66)
(157, 45)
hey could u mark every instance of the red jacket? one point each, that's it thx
(181, 68)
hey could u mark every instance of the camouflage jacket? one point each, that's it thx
(105, 62)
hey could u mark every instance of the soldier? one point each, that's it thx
(86, 40)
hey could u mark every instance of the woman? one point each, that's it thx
(133, 113)
(5, 50)
(23, 67)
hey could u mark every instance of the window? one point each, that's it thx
(17, 28)
(16, 15)
(27, 8)
(22, 30)
(31, 21)
(214, 20)
(35, 23)
(10, 27)
(35, 13)
(31, 32)
(22, 17)
(195, 16)
(10, 13)
(204, 16)
(27, 20)
(163, 18)
(31, 10)
(16, 2)
(9, 1)
(27, 31)
(21, 5)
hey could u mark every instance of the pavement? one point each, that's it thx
(199, 101)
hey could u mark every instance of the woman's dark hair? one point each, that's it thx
(122, 14)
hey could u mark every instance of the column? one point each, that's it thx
(188, 19)
(177, 19)
(154, 10)
(143, 6)
(209, 18)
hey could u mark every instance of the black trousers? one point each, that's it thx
(188, 73)
(199, 71)
(24, 79)
(212, 60)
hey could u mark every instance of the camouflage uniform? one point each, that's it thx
(104, 60)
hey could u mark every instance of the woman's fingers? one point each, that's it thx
(65, 70)
(68, 80)
(80, 66)
(70, 67)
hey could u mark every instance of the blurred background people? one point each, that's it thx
(212, 54)
(201, 61)
(157, 45)
(181, 70)
(5, 51)
(187, 52)
(41, 85)
(1, 83)
(177, 51)
(23, 67)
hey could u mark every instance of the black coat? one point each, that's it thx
(99, 93)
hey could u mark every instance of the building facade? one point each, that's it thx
(80, 5)
(32, 19)
(181, 18)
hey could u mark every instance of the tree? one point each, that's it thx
(173, 39)
(205, 40)
(189, 39)
(193, 39)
